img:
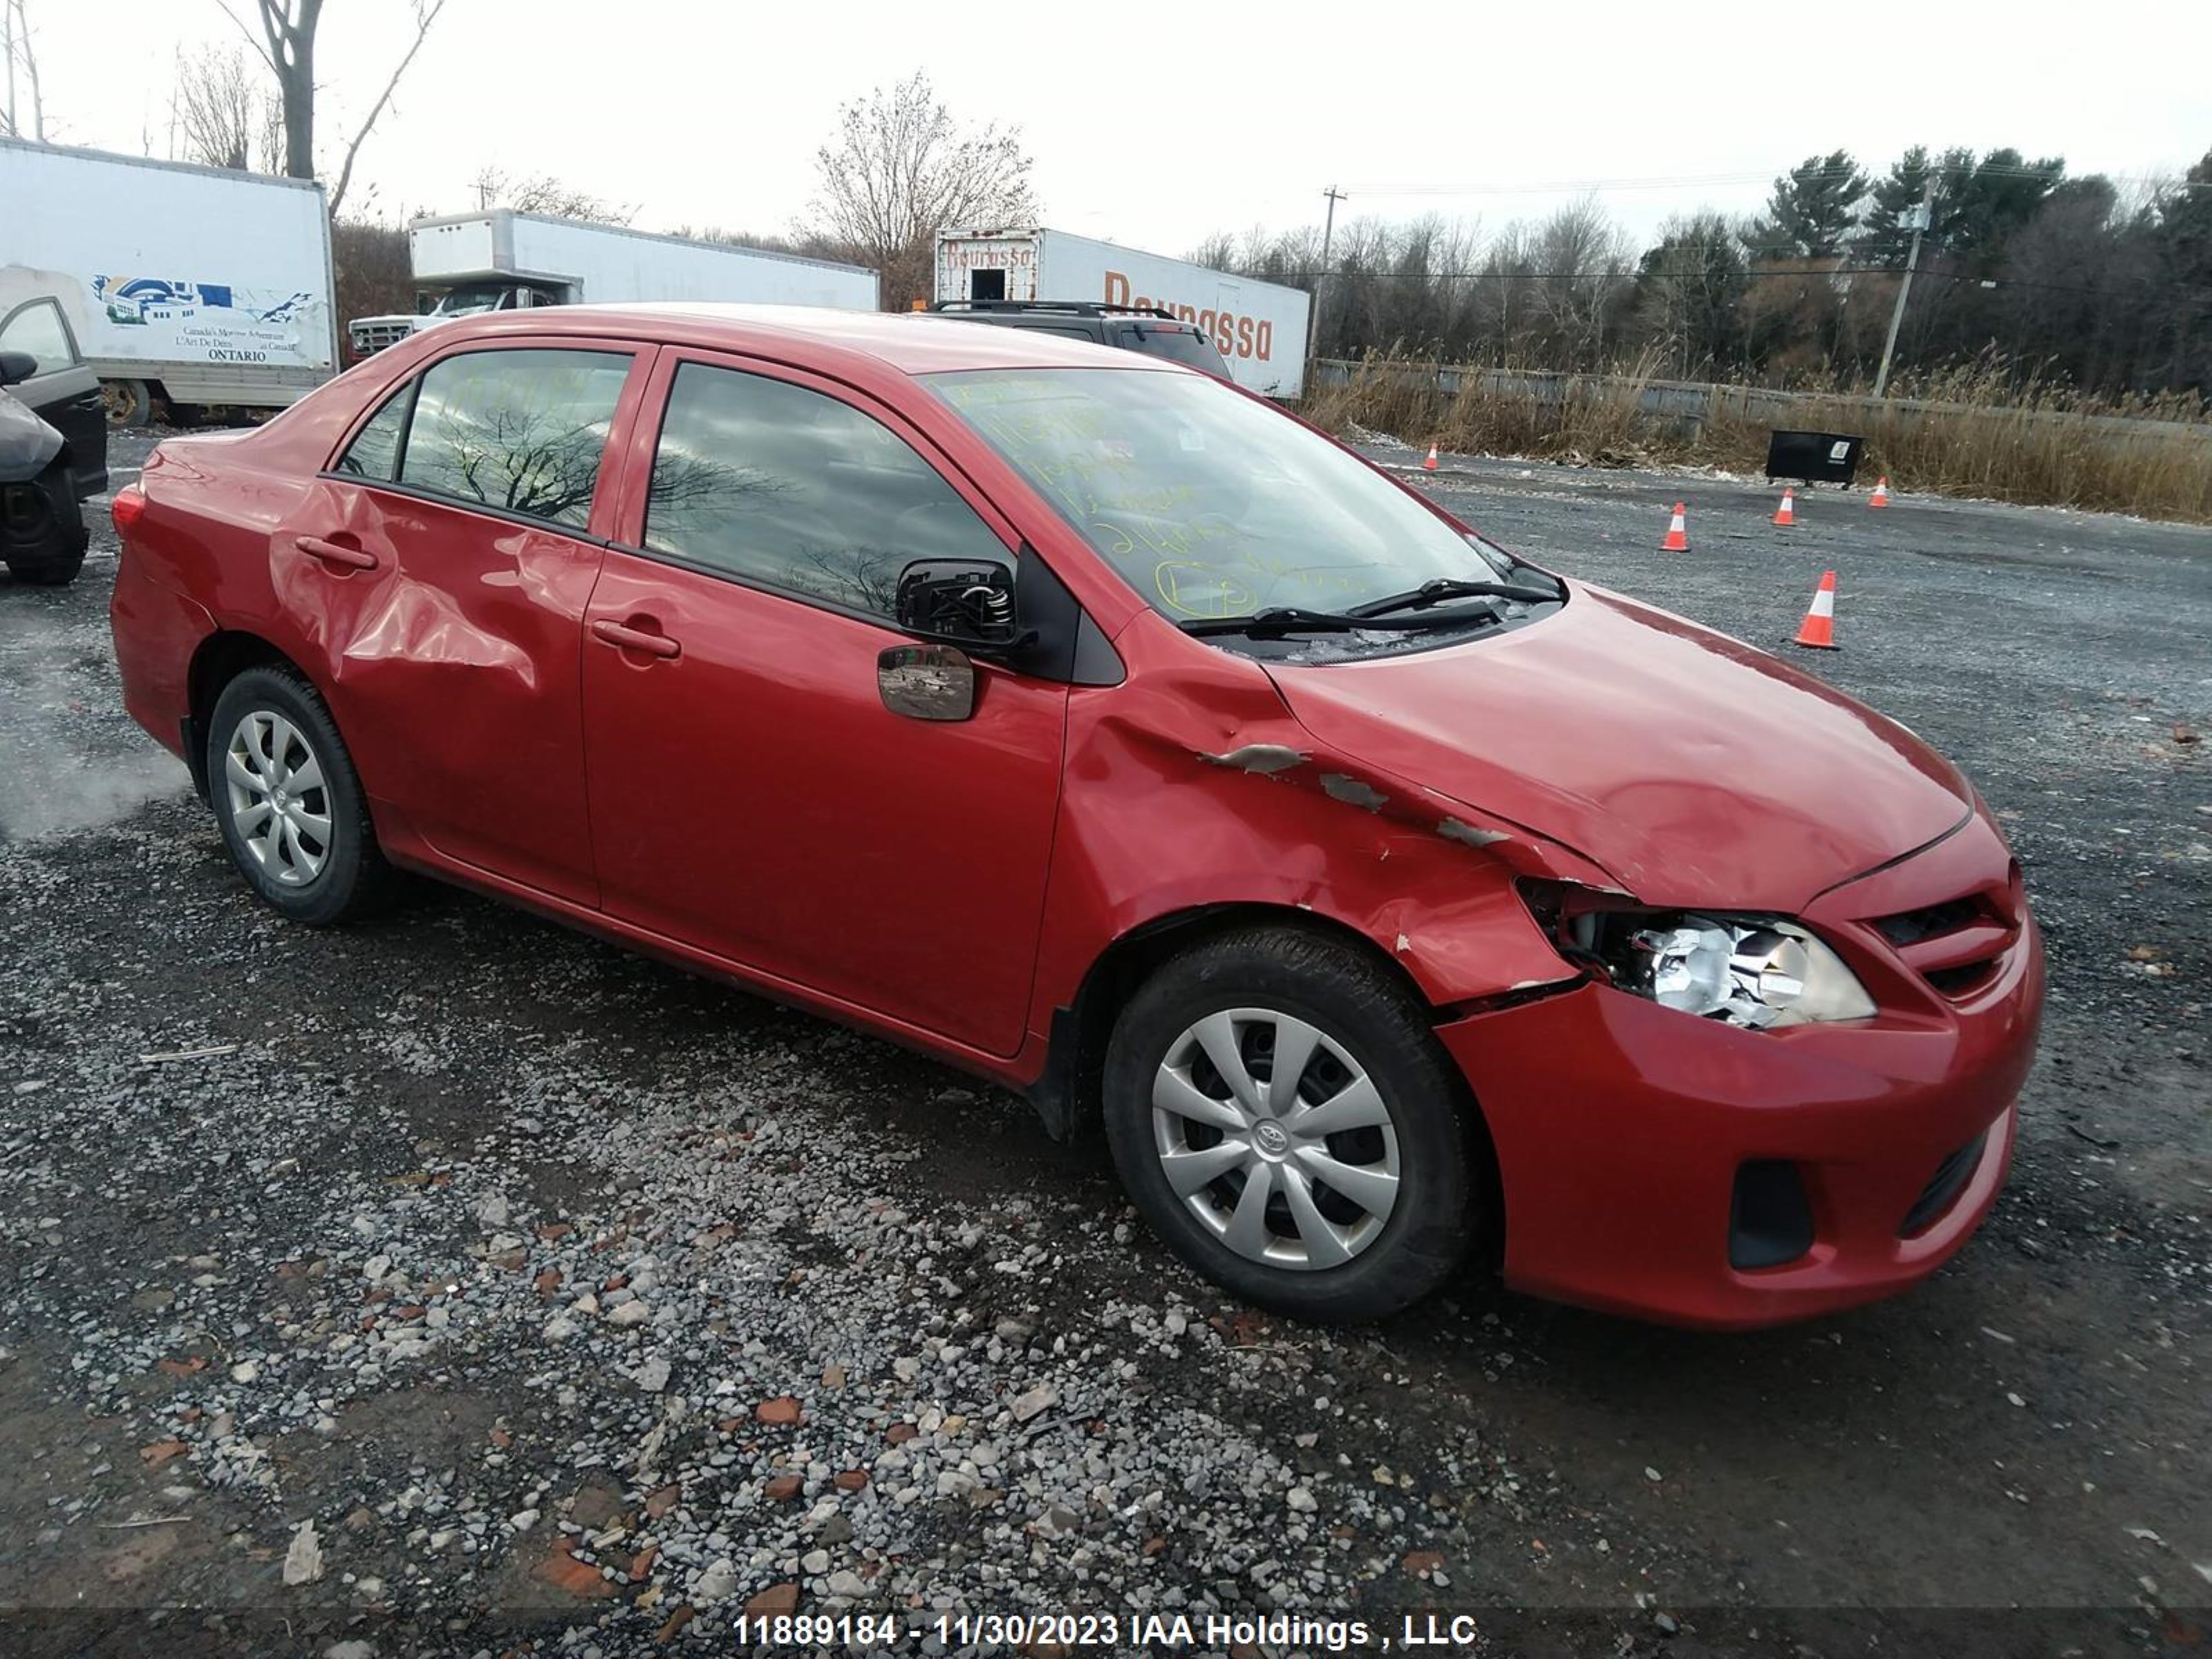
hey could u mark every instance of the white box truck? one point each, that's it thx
(502, 260)
(191, 286)
(1261, 327)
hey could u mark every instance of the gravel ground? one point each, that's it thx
(490, 1290)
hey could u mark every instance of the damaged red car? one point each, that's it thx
(1081, 720)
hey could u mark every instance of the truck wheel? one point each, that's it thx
(42, 532)
(294, 815)
(130, 402)
(1282, 1114)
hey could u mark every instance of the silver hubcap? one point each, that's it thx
(279, 803)
(1275, 1139)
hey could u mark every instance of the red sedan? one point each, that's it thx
(1085, 722)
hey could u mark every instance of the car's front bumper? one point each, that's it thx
(1623, 1129)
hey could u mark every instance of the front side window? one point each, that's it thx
(1208, 503)
(37, 327)
(777, 484)
(521, 431)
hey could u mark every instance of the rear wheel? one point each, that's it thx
(42, 531)
(1285, 1119)
(291, 807)
(130, 402)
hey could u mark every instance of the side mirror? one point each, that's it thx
(927, 682)
(958, 602)
(16, 366)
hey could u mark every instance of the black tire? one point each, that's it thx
(130, 403)
(42, 531)
(1331, 985)
(352, 879)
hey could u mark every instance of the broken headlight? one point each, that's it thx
(1752, 971)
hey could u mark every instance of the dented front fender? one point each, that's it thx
(1192, 785)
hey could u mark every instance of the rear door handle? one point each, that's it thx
(335, 553)
(635, 639)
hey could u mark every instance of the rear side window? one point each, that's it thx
(779, 485)
(36, 326)
(522, 431)
(375, 452)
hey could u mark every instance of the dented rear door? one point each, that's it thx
(442, 565)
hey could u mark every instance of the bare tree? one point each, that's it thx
(224, 119)
(15, 53)
(494, 186)
(286, 46)
(900, 169)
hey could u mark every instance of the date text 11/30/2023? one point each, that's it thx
(1157, 1633)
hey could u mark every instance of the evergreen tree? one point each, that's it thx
(1813, 207)
(1994, 203)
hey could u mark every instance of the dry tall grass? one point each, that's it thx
(1972, 431)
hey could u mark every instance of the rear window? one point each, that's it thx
(1177, 343)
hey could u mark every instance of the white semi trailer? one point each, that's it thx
(502, 260)
(1260, 327)
(189, 286)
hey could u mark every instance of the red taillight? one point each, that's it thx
(129, 506)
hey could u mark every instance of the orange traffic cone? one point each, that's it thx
(1786, 513)
(1881, 497)
(1678, 534)
(1818, 630)
(1429, 465)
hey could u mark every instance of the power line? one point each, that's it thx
(1670, 182)
(1358, 273)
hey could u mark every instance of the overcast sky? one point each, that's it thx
(1153, 125)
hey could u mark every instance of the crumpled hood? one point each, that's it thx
(1696, 770)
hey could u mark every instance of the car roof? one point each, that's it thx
(907, 342)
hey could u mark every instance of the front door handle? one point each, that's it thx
(635, 639)
(352, 558)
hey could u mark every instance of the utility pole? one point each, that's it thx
(1921, 215)
(1327, 234)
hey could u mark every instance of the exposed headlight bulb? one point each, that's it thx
(1749, 975)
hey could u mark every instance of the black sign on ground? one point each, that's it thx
(1812, 456)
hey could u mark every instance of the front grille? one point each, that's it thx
(1943, 1188)
(368, 339)
(1930, 922)
(1956, 944)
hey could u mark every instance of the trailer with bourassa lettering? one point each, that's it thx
(183, 287)
(1260, 327)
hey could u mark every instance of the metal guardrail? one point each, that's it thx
(1690, 405)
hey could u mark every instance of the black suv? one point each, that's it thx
(50, 465)
(1148, 329)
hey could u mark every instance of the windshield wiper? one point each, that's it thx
(1292, 619)
(1452, 587)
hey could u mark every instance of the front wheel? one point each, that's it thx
(1284, 1117)
(42, 532)
(293, 816)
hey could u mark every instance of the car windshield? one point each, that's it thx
(1208, 503)
(469, 301)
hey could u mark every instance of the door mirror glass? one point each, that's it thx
(16, 366)
(927, 682)
(957, 602)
